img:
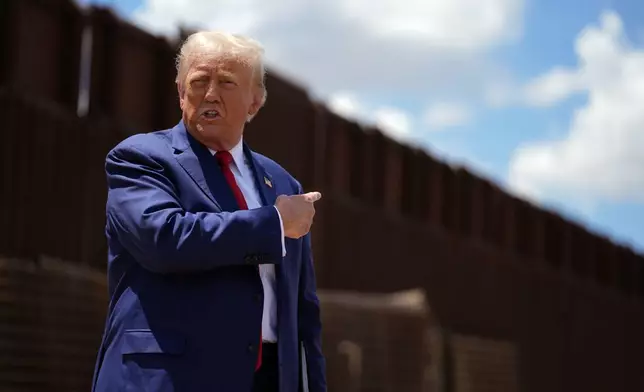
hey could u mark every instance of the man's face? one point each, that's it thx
(217, 96)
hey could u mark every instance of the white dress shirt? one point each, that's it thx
(246, 182)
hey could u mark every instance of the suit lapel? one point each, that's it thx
(263, 179)
(202, 167)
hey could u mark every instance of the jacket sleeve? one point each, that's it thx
(144, 213)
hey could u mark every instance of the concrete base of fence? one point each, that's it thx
(379, 342)
(51, 321)
(52, 314)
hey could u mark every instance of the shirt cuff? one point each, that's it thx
(282, 229)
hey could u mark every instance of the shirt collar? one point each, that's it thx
(237, 153)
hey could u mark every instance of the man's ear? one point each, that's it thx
(258, 98)
(254, 108)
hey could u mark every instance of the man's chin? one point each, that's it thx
(208, 128)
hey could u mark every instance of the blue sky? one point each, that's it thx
(572, 140)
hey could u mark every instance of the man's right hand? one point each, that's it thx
(297, 213)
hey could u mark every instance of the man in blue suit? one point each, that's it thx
(211, 279)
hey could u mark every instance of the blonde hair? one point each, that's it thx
(216, 43)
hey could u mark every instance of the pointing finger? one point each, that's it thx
(312, 196)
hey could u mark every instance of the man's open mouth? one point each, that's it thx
(210, 114)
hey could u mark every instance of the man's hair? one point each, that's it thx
(216, 43)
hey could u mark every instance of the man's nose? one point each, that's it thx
(212, 93)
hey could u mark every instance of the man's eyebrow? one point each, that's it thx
(199, 74)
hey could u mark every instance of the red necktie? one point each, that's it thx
(224, 158)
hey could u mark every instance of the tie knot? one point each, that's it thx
(224, 158)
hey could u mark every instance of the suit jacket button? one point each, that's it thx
(251, 348)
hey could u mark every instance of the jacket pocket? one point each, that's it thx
(143, 341)
(151, 362)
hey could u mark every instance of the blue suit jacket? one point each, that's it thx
(185, 295)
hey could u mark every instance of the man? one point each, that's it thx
(210, 271)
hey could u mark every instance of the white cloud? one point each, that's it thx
(552, 87)
(602, 155)
(392, 121)
(447, 115)
(462, 24)
(346, 104)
